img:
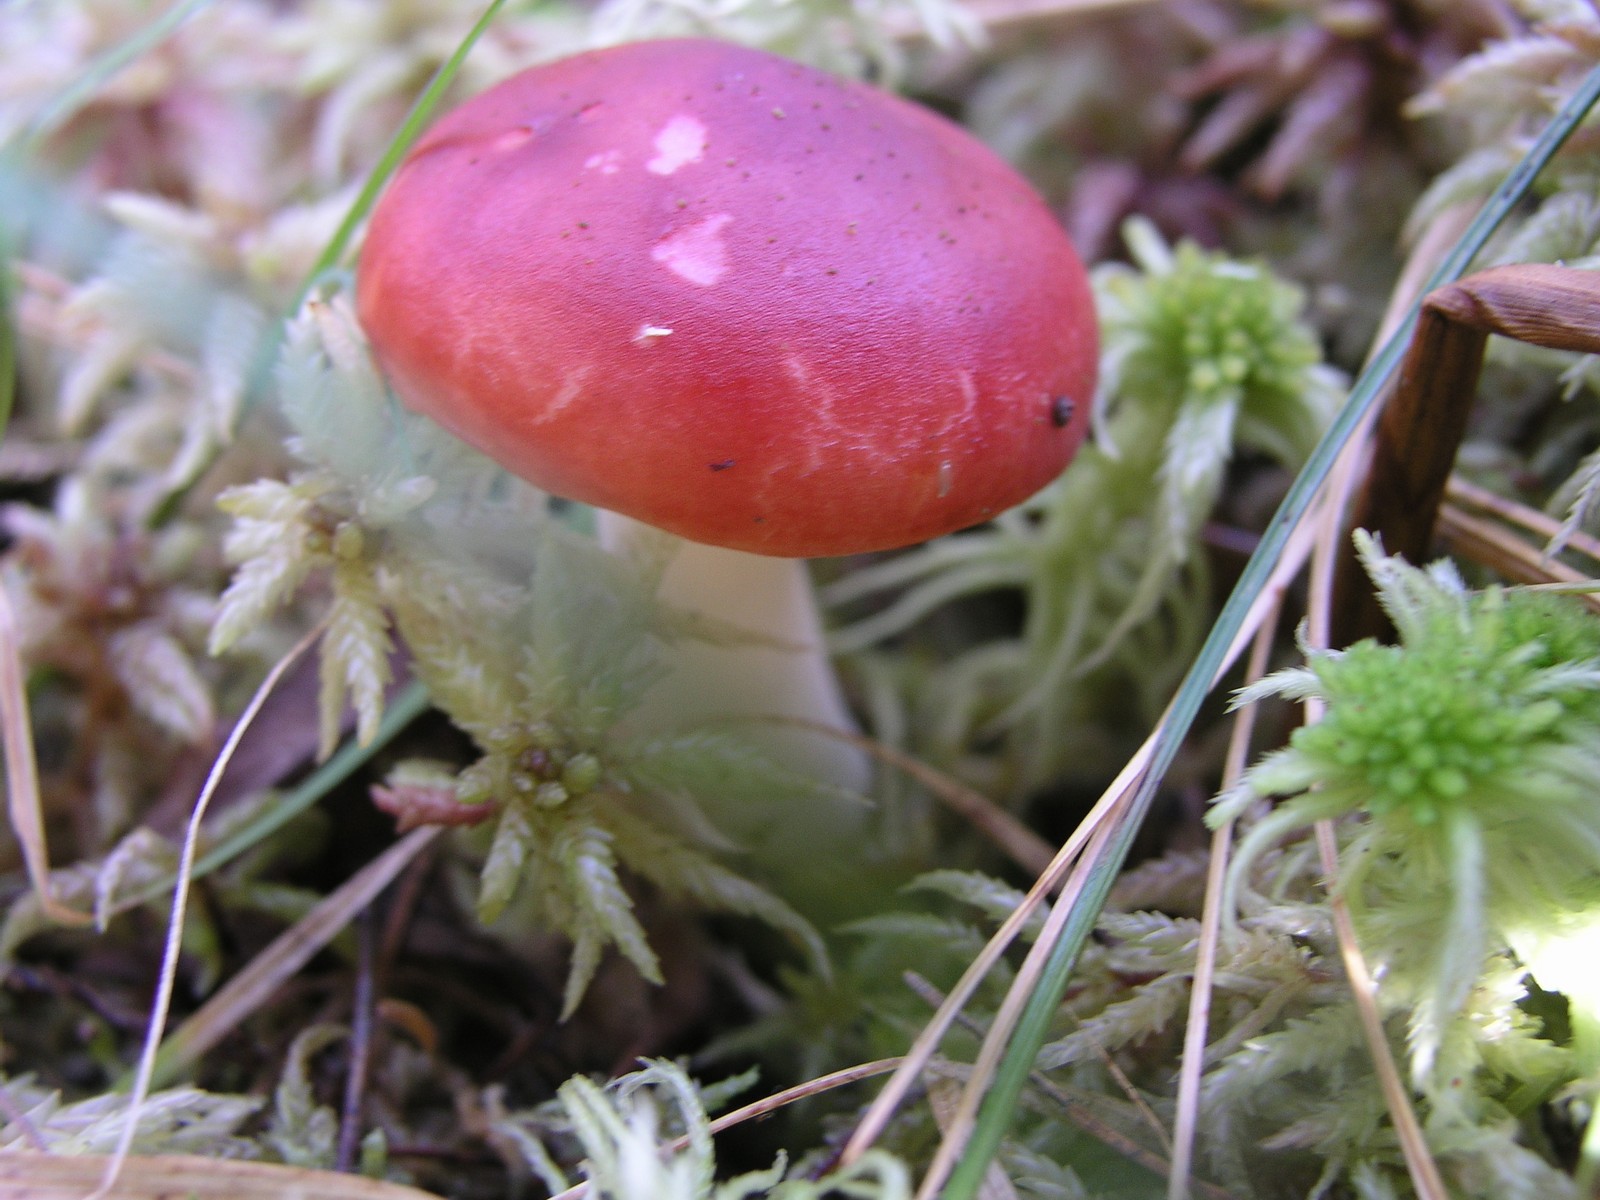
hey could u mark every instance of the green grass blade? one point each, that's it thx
(410, 129)
(414, 699)
(333, 253)
(995, 1117)
(70, 100)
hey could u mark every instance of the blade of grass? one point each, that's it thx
(999, 1105)
(961, 1127)
(414, 699)
(1081, 1107)
(69, 101)
(410, 129)
(1116, 795)
(333, 253)
(876, 1118)
(1113, 802)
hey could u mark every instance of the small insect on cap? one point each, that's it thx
(735, 298)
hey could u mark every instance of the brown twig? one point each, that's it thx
(1421, 427)
(404, 897)
(291, 950)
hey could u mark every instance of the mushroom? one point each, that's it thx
(774, 312)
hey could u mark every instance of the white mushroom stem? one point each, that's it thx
(770, 599)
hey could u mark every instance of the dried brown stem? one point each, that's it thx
(31, 1176)
(1504, 552)
(1542, 525)
(22, 772)
(1421, 427)
(362, 1006)
(1186, 1120)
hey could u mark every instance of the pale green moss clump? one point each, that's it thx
(1470, 754)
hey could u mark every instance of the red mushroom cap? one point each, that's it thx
(735, 298)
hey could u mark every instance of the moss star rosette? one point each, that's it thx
(1471, 753)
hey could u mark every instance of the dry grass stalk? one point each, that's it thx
(1364, 990)
(30, 1176)
(1192, 1061)
(944, 1098)
(173, 947)
(1085, 1109)
(1538, 524)
(1110, 806)
(1513, 540)
(22, 772)
(1492, 545)
(1324, 617)
(959, 1125)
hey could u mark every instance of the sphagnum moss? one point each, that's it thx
(1467, 756)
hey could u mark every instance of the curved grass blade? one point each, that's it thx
(333, 253)
(995, 1116)
(70, 100)
(414, 699)
(410, 129)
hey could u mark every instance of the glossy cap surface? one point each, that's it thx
(733, 297)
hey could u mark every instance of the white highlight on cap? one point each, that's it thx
(696, 252)
(681, 141)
